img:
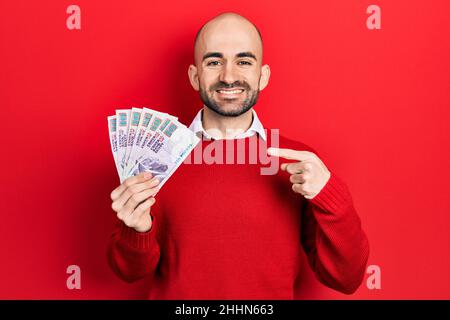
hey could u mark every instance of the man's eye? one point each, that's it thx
(248, 63)
(213, 63)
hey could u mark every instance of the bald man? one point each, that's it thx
(224, 230)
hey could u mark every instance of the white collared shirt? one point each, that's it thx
(256, 127)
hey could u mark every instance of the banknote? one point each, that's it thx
(123, 116)
(135, 116)
(112, 129)
(152, 119)
(169, 145)
(143, 139)
(144, 121)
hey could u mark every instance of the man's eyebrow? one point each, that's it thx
(246, 55)
(212, 55)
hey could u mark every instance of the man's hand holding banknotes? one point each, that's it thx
(133, 199)
(148, 146)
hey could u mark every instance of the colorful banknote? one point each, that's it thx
(143, 139)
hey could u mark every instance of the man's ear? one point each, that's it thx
(265, 75)
(193, 77)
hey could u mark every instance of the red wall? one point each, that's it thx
(375, 103)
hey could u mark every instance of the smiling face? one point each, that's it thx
(228, 69)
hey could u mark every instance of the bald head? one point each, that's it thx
(228, 29)
(228, 69)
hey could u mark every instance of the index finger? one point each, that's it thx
(290, 154)
(141, 177)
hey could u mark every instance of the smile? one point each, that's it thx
(230, 92)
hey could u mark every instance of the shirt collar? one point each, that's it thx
(256, 127)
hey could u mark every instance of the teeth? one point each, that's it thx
(230, 92)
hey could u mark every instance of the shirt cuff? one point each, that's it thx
(138, 240)
(334, 196)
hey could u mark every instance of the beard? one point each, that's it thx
(232, 107)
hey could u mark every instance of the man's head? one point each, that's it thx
(228, 68)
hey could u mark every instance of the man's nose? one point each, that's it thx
(229, 74)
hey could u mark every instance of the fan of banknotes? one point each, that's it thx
(143, 139)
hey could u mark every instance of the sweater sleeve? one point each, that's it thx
(133, 255)
(334, 242)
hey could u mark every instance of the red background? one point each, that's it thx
(374, 103)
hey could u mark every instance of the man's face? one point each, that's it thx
(228, 66)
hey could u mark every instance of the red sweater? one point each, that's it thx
(224, 231)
